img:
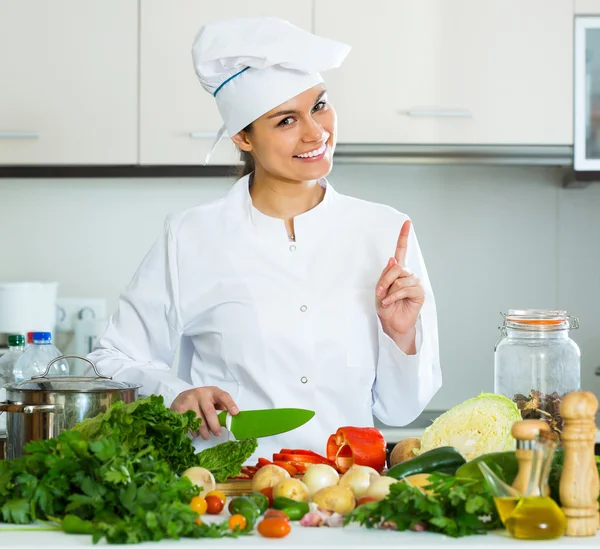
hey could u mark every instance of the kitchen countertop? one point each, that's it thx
(315, 538)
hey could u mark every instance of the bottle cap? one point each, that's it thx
(16, 340)
(42, 337)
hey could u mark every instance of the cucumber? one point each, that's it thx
(445, 459)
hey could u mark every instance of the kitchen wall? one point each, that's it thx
(493, 238)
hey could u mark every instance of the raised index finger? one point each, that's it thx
(402, 245)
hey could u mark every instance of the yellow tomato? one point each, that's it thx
(199, 505)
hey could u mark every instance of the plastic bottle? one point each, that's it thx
(36, 358)
(16, 346)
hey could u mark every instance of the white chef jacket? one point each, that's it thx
(273, 322)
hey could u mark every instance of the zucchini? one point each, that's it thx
(445, 459)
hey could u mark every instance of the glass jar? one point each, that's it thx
(536, 363)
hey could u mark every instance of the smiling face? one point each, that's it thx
(294, 141)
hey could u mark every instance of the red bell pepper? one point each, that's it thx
(291, 469)
(300, 459)
(357, 446)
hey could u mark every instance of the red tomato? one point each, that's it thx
(274, 528)
(214, 505)
(269, 493)
(276, 513)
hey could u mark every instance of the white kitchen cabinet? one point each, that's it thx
(587, 7)
(178, 118)
(68, 82)
(452, 71)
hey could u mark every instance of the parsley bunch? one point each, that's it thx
(457, 507)
(116, 476)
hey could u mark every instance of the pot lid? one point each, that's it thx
(71, 384)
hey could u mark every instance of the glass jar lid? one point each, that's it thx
(539, 320)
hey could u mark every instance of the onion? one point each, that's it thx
(358, 478)
(380, 487)
(291, 488)
(320, 476)
(268, 476)
(201, 477)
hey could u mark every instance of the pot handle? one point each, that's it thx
(98, 374)
(31, 408)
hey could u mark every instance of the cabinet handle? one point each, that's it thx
(203, 135)
(19, 135)
(438, 113)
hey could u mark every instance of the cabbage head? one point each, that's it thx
(478, 426)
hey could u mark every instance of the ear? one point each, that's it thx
(241, 141)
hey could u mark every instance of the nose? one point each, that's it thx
(314, 132)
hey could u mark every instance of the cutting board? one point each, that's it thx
(235, 487)
(239, 487)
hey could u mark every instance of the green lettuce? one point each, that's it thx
(478, 426)
(224, 460)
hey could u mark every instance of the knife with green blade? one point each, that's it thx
(264, 423)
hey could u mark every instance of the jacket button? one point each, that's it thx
(292, 248)
(303, 308)
(303, 379)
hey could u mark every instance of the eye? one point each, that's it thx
(286, 121)
(320, 106)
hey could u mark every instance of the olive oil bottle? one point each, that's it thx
(536, 516)
(505, 506)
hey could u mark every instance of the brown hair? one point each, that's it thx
(246, 158)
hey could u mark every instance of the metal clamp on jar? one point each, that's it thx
(536, 362)
(43, 407)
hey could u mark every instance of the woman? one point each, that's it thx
(284, 293)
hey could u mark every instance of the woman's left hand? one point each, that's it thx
(399, 293)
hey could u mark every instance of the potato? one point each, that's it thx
(403, 451)
(268, 476)
(338, 499)
(291, 488)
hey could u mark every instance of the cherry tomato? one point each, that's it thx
(237, 521)
(274, 528)
(198, 504)
(269, 493)
(214, 505)
(365, 499)
(275, 513)
(217, 493)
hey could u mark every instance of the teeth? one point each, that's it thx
(316, 152)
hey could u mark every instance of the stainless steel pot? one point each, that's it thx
(43, 406)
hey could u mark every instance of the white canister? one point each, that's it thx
(28, 307)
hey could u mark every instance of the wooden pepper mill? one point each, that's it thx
(524, 432)
(579, 483)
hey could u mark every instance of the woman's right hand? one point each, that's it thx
(205, 401)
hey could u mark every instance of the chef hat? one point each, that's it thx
(253, 64)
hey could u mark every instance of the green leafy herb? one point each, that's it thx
(224, 460)
(116, 476)
(143, 421)
(457, 507)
